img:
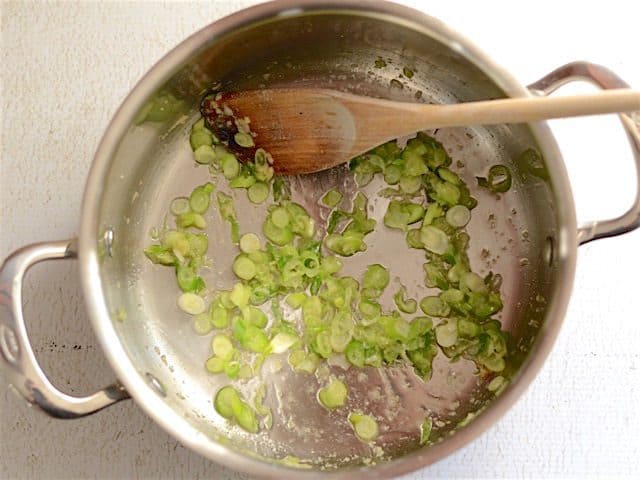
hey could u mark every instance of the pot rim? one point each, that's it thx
(89, 266)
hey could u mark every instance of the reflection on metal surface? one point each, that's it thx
(156, 384)
(549, 251)
(108, 241)
(9, 344)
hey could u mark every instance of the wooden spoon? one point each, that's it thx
(311, 129)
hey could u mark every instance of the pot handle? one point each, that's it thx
(605, 79)
(18, 361)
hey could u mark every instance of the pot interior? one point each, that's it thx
(515, 234)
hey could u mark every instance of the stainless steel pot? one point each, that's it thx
(532, 237)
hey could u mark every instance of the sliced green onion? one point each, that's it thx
(245, 416)
(178, 242)
(433, 211)
(365, 426)
(392, 174)
(333, 395)
(301, 223)
(445, 193)
(452, 296)
(413, 238)
(179, 206)
(531, 161)
(346, 244)
(199, 138)
(435, 276)
(355, 353)
(255, 339)
(232, 369)
(188, 280)
(282, 342)
(425, 430)
(332, 198)
(160, 255)
(434, 239)
(335, 219)
(244, 268)
(191, 219)
(369, 308)
(447, 333)
(498, 181)
(240, 295)
(310, 263)
(434, 306)
(198, 244)
(244, 139)
(279, 236)
(419, 326)
(307, 363)
(258, 192)
(496, 383)
(401, 214)
(280, 217)
(375, 277)
(448, 176)
(215, 365)
(396, 327)
(414, 165)
(225, 206)
(499, 178)
(249, 243)
(322, 344)
(230, 165)
(422, 359)
(222, 347)
(280, 189)
(410, 185)
(200, 198)
(296, 300)
(372, 357)
(458, 216)
(244, 180)
(468, 329)
(228, 212)
(224, 401)
(191, 303)
(255, 316)
(493, 363)
(405, 305)
(456, 272)
(341, 332)
(224, 299)
(202, 324)
(331, 264)
(218, 315)
(473, 282)
(198, 125)
(204, 154)
(363, 178)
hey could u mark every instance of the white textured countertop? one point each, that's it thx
(65, 67)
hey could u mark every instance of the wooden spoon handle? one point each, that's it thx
(386, 120)
(519, 110)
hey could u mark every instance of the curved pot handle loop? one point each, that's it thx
(603, 78)
(18, 360)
